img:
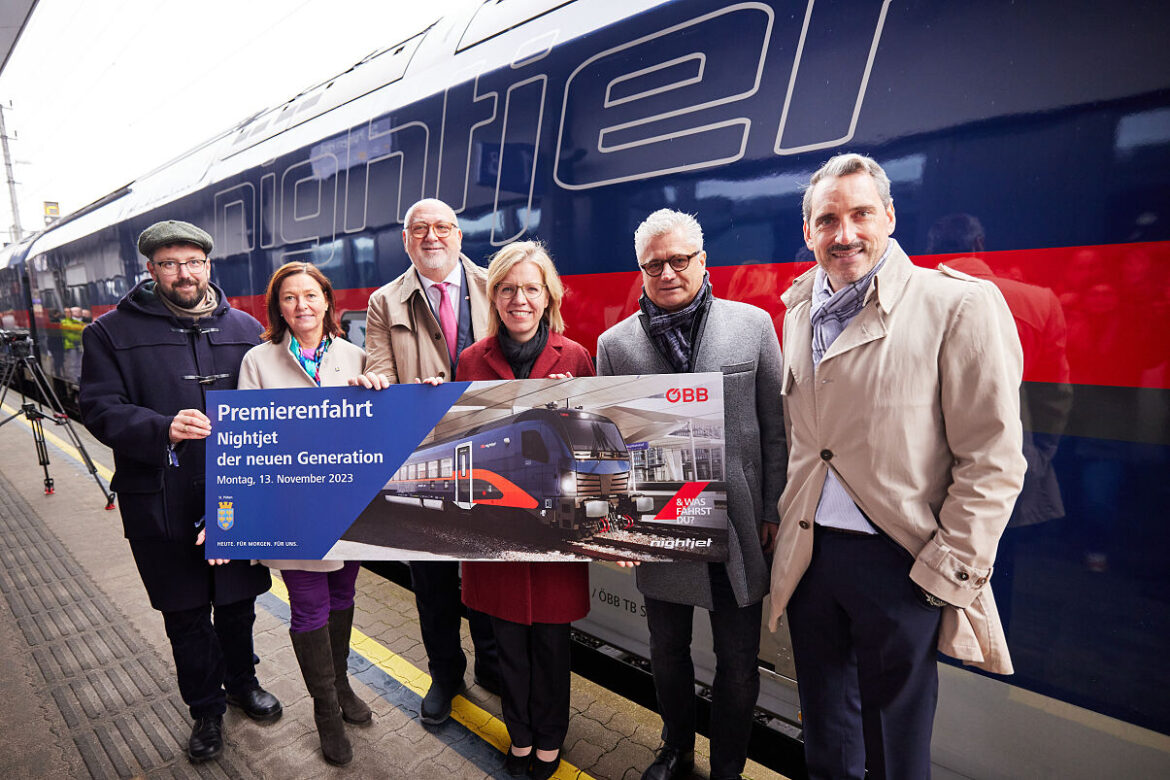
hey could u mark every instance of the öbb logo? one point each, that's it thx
(686, 395)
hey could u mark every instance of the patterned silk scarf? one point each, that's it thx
(672, 330)
(831, 314)
(310, 359)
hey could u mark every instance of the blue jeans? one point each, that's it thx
(736, 632)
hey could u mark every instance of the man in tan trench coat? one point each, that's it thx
(416, 326)
(901, 404)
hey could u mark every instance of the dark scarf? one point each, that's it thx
(673, 330)
(522, 355)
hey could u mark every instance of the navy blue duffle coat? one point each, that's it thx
(141, 365)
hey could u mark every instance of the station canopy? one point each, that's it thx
(14, 15)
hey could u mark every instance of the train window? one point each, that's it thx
(410, 471)
(532, 446)
(496, 18)
(445, 468)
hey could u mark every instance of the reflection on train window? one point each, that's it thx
(532, 447)
(446, 468)
(593, 436)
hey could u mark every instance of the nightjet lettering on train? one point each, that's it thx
(684, 97)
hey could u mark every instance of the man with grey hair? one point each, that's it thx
(901, 403)
(416, 326)
(682, 327)
(145, 372)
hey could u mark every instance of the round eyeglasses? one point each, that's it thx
(509, 291)
(677, 263)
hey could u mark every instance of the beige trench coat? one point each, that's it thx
(270, 365)
(403, 338)
(916, 408)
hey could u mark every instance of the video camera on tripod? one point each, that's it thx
(20, 362)
(18, 342)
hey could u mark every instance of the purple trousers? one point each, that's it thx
(312, 595)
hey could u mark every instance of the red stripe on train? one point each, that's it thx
(512, 494)
(1094, 315)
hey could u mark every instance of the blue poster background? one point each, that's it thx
(265, 500)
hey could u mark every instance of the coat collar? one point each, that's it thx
(889, 283)
(143, 298)
(412, 284)
(548, 358)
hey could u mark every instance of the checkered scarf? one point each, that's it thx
(833, 311)
(671, 330)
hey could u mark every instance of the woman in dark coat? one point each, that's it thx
(531, 604)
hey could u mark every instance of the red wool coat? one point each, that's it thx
(526, 592)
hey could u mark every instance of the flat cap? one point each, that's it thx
(172, 231)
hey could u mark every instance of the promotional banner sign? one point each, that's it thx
(604, 468)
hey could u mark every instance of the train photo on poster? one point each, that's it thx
(1027, 144)
(570, 471)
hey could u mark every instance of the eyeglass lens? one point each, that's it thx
(422, 229)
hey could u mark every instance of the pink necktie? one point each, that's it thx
(447, 319)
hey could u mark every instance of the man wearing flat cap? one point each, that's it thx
(146, 369)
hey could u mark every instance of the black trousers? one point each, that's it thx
(440, 608)
(535, 681)
(736, 633)
(210, 657)
(864, 641)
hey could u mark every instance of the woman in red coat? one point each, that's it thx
(531, 604)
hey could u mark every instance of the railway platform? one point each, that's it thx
(87, 685)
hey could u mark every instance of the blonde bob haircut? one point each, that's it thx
(511, 256)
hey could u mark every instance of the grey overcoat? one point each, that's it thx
(740, 341)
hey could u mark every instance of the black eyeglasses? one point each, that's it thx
(422, 229)
(677, 263)
(170, 267)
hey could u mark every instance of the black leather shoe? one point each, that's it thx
(258, 704)
(436, 705)
(670, 764)
(516, 766)
(206, 740)
(543, 770)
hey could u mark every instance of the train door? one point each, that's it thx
(463, 495)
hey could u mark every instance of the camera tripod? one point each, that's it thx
(18, 361)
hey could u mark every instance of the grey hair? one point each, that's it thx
(666, 221)
(847, 165)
